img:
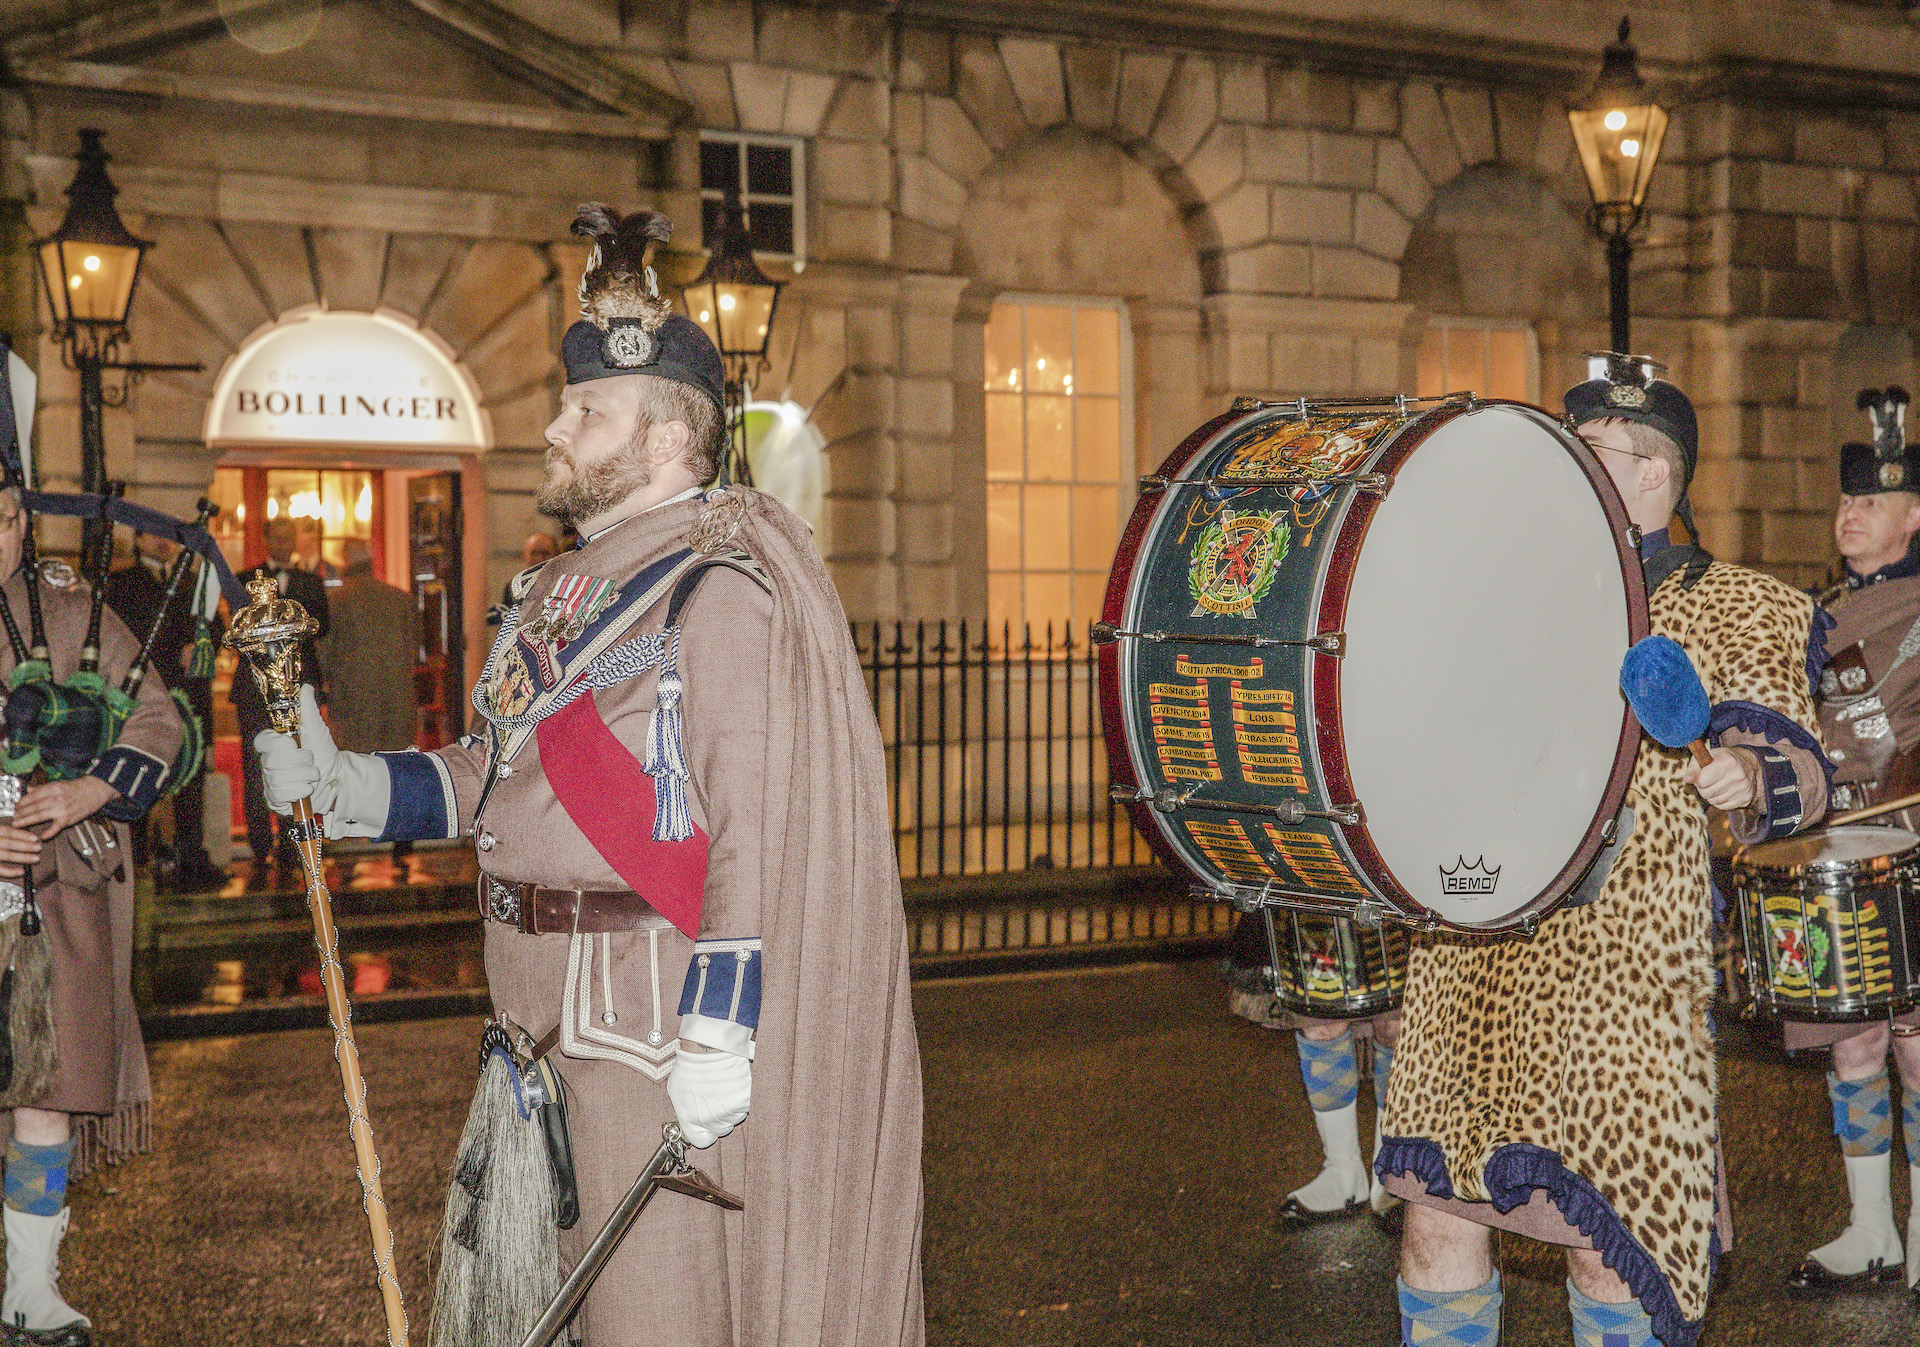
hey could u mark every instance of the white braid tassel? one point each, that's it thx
(665, 759)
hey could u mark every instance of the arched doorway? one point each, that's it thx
(362, 428)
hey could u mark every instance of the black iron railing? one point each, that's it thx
(995, 753)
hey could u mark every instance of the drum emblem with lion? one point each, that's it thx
(1235, 562)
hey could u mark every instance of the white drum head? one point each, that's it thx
(1479, 696)
(1839, 847)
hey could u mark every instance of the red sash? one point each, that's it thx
(611, 800)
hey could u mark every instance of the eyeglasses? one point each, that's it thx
(1628, 452)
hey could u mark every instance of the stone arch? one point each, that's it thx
(1497, 242)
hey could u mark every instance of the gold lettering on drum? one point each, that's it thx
(1313, 860)
(1186, 751)
(1266, 768)
(1228, 847)
(1187, 670)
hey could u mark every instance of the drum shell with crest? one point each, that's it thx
(1829, 923)
(1460, 755)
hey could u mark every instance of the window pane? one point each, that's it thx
(1464, 368)
(1047, 527)
(713, 217)
(1049, 439)
(1430, 373)
(1006, 460)
(1089, 594)
(1003, 527)
(1096, 527)
(1507, 356)
(1049, 599)
(1003, 603)
(1003, 347)
(719, 165)
(771, 227)
(1096, 439)
(1096, 351)
(770, 170)
(1049, 348)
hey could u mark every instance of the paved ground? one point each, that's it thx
(1105, 1155)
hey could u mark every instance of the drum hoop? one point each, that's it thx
(1335, 590)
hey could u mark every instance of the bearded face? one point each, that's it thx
(574, 492)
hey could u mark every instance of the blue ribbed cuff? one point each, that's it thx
(723, 981)
(421, 804)
(137, 776)
(1779, 803)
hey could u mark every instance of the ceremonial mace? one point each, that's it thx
(267, 633)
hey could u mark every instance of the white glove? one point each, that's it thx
(351, 792)
(710, 1092)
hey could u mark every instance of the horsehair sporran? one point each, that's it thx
(499, 1248)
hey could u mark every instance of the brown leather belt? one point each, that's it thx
(539, 910)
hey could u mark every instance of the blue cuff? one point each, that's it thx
(723, 981)
(137, 776)
(421, 804)
(1823, 622)
(1778, 729)
(1779, 806)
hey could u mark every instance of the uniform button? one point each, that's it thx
(705, 959)
(609, 1019)
(486, 841)
(655, 1038)
(506, 770)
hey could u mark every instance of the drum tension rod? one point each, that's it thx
(1374, 483)
(1166, 799)
(1327, 643)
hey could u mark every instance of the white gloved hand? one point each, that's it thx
(711, 1092)
(350, 792)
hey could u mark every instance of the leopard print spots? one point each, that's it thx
(1590, 1040)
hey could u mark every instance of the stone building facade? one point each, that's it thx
(1282, 200)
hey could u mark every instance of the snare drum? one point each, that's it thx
(1317, 965)
(1365, 658)
(1830, 923)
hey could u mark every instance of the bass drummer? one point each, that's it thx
(1869, 703)
(1563, 1086)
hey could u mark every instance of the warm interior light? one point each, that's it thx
(1616, 120)
(726, 303)
(706, 315)
(1041, 363)
(240, 512)
(363, 506)
(1629, 148)
(73, 282)
(304, 505)
(273, 508)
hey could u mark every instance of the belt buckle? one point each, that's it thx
(503, 901)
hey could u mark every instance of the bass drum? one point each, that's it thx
(1364, 658)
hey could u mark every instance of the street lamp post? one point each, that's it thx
(734, 301)
(89, 266)
(1618, 128)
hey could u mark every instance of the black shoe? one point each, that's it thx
(1812, 1280)
(1294, 1214)
(201, 876)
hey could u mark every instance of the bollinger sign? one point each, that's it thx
(372, 380)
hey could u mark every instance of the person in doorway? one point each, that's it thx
(311, 593)
(1869, 703)
(1563, 1086)
(134, 593)
(537, 551)
(679, 795)
(369, 651)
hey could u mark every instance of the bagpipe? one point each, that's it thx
(60, 729)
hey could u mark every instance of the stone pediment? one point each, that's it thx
(471, 62)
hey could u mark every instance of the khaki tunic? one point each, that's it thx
(525, 836)
(84, 883)
(1869, 704)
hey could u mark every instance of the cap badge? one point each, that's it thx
(630, 346)
(1893, 476)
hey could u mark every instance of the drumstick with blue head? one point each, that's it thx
(1664, 690)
